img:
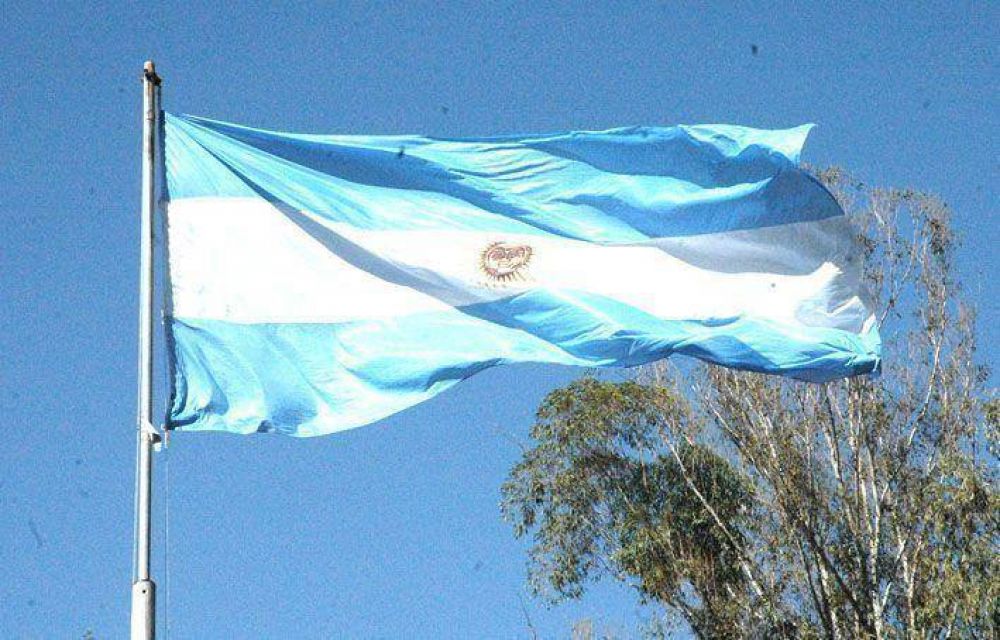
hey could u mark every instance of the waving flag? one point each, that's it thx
(322, 282)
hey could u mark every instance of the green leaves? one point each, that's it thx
(604, 496)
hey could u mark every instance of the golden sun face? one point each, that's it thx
(504, 262)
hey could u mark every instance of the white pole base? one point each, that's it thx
(143, 610)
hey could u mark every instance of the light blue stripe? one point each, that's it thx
(311, 379)
(618, 186)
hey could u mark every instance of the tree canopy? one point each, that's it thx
(752, 506)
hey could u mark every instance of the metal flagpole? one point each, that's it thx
(143, 587)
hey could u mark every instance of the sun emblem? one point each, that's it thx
(503, 262)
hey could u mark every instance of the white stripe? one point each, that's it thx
(244, 260)
(241, 259)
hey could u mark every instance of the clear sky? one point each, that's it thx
(391, 530)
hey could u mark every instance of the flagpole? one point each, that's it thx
(143, 587)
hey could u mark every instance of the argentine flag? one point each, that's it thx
(322, 282)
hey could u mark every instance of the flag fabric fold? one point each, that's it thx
(322, 282)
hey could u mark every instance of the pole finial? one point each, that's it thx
(149, 72)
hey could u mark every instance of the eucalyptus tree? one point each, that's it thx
(757, 507)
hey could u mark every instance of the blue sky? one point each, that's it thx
(391, 530)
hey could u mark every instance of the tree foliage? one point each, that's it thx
(757, 507)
